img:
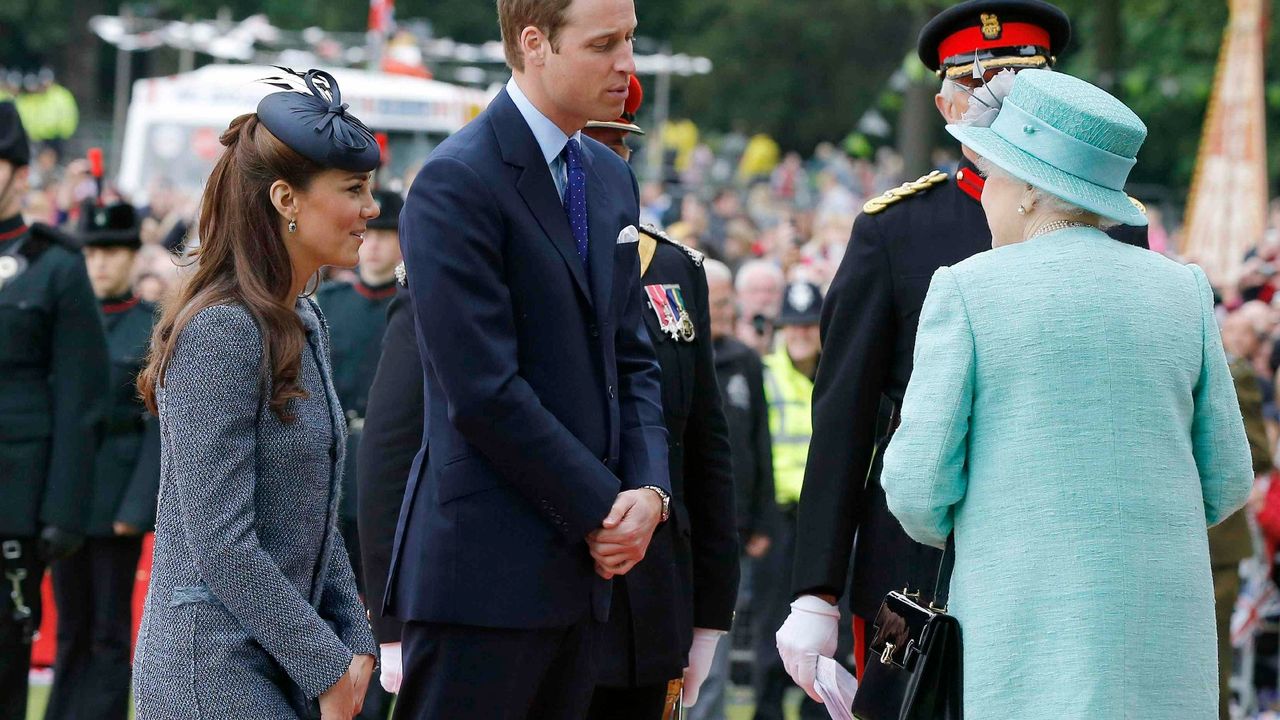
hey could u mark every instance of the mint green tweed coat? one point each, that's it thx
(1071, 416)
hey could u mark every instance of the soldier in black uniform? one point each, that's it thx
(357, 315)
(660, 622)
(868, 329)
(93, 588)
(53, 397)
(393, 432)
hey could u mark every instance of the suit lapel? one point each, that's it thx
(520, 148)
(601, 238)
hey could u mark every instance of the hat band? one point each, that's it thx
(1061, 150)
(1012, 34)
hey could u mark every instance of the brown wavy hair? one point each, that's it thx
(242, 260)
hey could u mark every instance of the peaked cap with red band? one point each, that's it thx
(999, 34)
(635, 96)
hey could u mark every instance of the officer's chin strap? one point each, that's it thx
(8, 186)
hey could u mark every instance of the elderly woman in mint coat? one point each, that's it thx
(1072, 420)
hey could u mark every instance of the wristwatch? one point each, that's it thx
(666, 499)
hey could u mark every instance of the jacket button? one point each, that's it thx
(611, 392)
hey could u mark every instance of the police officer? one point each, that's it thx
(93, 588)
(357, 313)
(53, 395)
(788, 382)
(660, 623)
(868, 327)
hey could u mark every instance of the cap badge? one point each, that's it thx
(991, 29)
(801, 297)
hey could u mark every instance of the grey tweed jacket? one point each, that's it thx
(251, 587)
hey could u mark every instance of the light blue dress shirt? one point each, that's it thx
(551, 139)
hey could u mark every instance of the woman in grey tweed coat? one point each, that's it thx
(252, 611)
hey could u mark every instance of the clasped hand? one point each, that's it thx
(623, 538)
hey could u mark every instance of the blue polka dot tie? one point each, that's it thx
(575, 197)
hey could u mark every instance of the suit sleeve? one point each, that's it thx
(79, 384)
(857, 345)
(643, 458)
(924, 467)
(451, 232)
(212, 392)
(709, 494)
(1218, 439)
(393, 430)
(138, 506)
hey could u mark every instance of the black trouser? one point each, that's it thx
(638, 703)
(93, 591)
(19, 619)
(377, 702)
(773, 600)
(464, 671)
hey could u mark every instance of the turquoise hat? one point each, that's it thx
(1066, 137)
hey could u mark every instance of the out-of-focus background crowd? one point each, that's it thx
(770, 124)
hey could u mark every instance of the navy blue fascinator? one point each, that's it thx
(316, 124)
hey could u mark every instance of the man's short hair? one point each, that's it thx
(717, 270)
(761, 267)
(516, 15)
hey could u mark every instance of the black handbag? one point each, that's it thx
(914, 668)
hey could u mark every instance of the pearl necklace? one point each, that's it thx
(1057, 225)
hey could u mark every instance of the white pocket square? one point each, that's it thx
(629, 234)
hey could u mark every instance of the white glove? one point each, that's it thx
(392, 668)
(810, 630)
(701, 653)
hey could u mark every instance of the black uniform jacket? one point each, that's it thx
(126, 474)
(869, 323)
(356, 313)
(689, 578)
(53, 381)
(741, 375)
(393, 432)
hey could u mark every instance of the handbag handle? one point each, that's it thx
(942, 586)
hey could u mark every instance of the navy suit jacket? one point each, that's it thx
(542, 392)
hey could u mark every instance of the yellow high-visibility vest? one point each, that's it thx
(790, 396)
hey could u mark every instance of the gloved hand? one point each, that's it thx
(810, 630)
(392, 672)
(701, 653)
(57, 544)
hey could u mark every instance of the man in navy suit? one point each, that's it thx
(547, 471)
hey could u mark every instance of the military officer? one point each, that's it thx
(868, 336)
(93, 588)
(357, 314)
(53, 396)
(660, 623)
(393, 433)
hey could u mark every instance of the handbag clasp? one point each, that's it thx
(886, 657)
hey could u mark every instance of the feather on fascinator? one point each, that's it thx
(315, 123)
(986, 100)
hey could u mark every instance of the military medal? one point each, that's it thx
(686, 322)
(662, 308)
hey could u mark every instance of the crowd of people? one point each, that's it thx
(414, 469)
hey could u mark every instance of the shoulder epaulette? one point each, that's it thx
(402, 276)
(654, 232)
(907, 189)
